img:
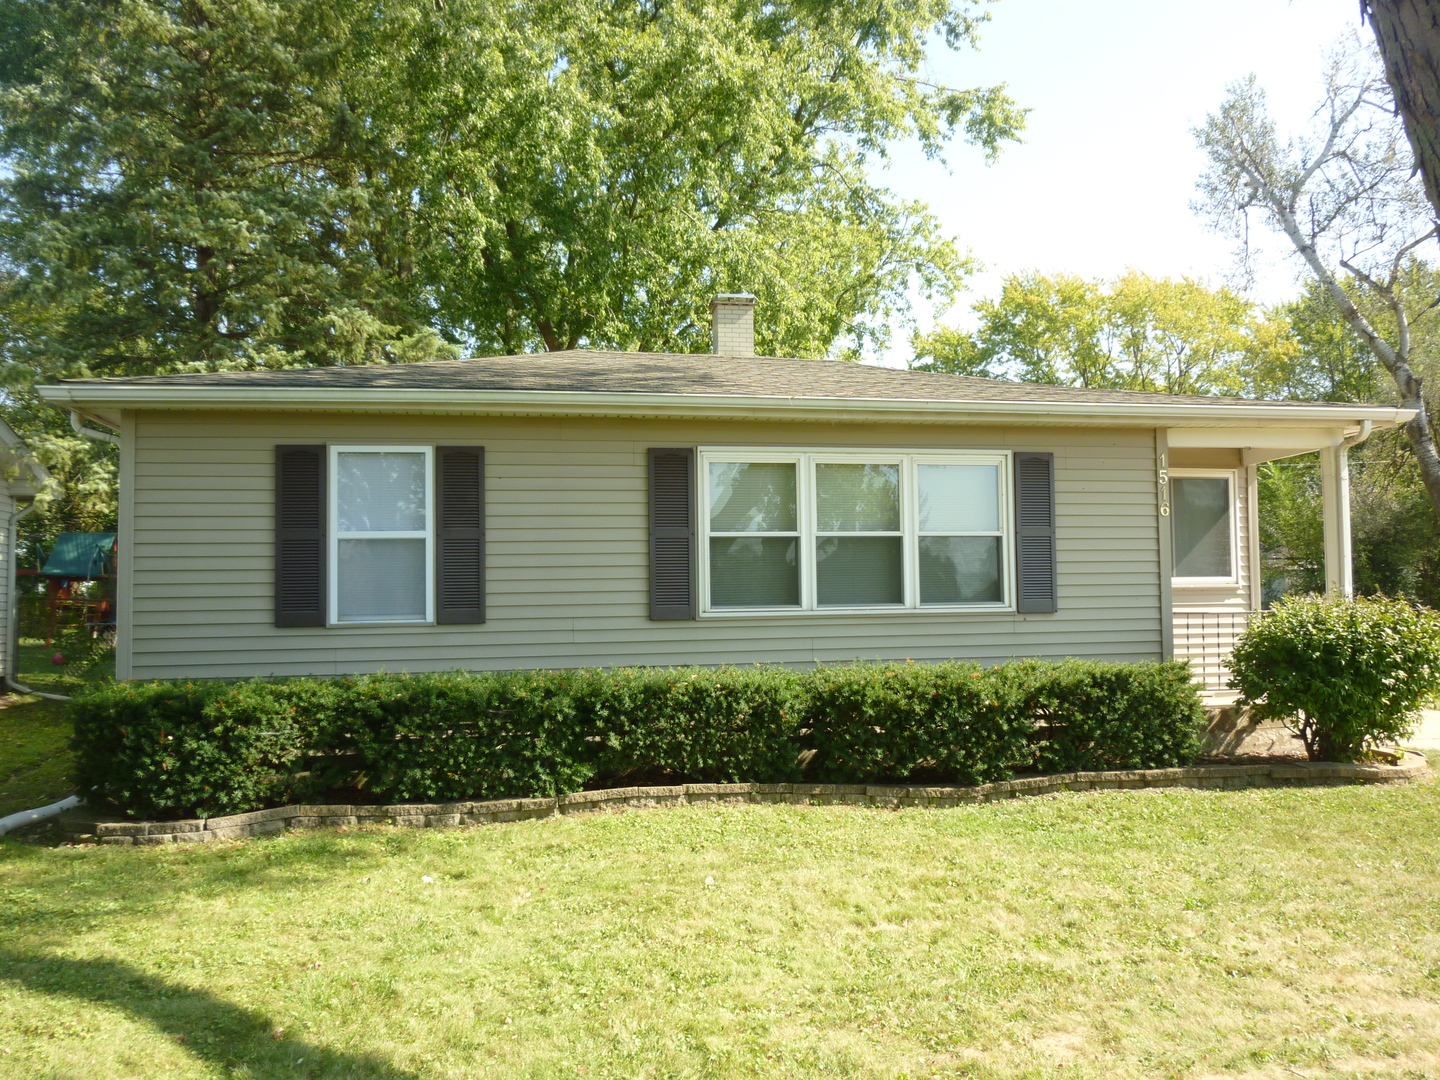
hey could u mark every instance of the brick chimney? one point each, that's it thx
(732, 324)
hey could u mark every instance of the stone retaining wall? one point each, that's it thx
(442, 815)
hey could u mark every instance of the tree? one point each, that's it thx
(1133, 333)
(185, 184)
(659, 152)
(249, 182)
(1408, 35)
(1347, 200)
(213, 184)
(1396, 541)
(1330, 362)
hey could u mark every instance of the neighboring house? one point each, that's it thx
(21, 477)
(609, 508)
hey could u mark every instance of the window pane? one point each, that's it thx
(754, 571)
(1200, 526)
(857, 498)
(752, 497)
(959, 498)
(857, 571)
(380, 492)
(960, 570)
(381, 580)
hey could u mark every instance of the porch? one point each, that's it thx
(1210, 543)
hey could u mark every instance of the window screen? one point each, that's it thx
(859, 547)
(382, 546)
(1200, 526)
(754, 535)
(960, 538)
(867, 529)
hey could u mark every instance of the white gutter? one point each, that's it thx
(381, 399)
(91, 433)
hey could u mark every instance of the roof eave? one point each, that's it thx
(108, 401)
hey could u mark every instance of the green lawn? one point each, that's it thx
(34, 753)
(35, 668)
(1123, 934)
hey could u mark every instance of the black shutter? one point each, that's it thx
(300, 536)
(672, 534)
(1035, 532)
(460, 534)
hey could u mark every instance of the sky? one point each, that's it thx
(1104, 179)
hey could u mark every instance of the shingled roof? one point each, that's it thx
(580, 371)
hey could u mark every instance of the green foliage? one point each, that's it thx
(219, 184)
(159, 748)
(711, 725)
(1343, 675)
(646, 156)
(425, 738)
(1133, 333)
(1292, 538)
(216, 748)
(190, 184)
(1330, 361)
(1394, 534)
(1099, 715)
(231, 183)
(872, 723)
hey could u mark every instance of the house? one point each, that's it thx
(611, 508)
(21, 478)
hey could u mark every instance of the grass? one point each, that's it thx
(35, 755)
(35, 669)
(1123, 934)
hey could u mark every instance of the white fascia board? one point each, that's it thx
(1293, 438)
(108, 400)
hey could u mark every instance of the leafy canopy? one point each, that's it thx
(1134, 333)
(233, 183)
(218, 184)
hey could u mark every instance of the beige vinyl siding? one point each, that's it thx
(567, 551)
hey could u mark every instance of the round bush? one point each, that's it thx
(1344, 675)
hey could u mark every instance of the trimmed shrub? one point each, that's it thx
(158, 748)
(447, 737)
(872, 722)
(217, 748)
(1091, 715)
(707, 725)
(1344, 675)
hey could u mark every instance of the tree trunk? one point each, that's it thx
(1408, 33)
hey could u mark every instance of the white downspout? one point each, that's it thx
(1335, 507)
(114, 440)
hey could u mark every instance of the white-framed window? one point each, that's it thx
(381, 558)
(786, 531)
(1204, 536)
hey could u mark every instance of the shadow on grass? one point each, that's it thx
(213, 1030)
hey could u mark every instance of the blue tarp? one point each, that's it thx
(81, 555)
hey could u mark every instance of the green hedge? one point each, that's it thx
(881, 722)
(201, 748)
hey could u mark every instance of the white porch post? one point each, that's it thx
(1167, 597)
(1335, 494)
